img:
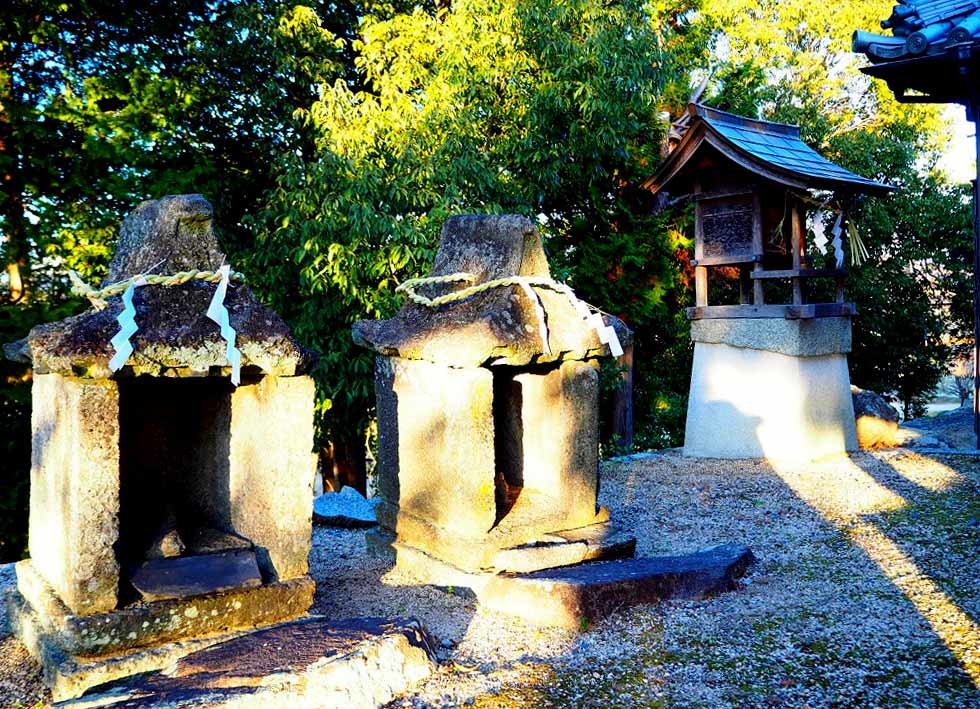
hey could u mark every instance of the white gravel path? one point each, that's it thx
(866, 594)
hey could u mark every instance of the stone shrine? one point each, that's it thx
(488, 409)
(168, 506)
(770, 379)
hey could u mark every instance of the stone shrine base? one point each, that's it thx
(81, 651)
(574, 596)
(770, 388)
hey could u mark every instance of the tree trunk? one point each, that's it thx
(344, 462)
(621, 424)
(12, 194)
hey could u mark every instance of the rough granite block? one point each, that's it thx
(74, 514)
(436, 449)
(271, 469)
(561, 441)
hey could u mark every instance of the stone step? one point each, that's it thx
(574, 546)
(310, 662)
(184, 576)
(574, 596)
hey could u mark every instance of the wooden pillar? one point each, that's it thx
(797, 246)
(700, 272)
(744, 286)
(758, 250)
(700, 286)
(622, 402)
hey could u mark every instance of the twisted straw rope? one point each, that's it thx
(98, 297)
(409, 286)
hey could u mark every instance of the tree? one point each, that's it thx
(541, 108)
(104, 104)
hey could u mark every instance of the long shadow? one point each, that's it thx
(939, 530)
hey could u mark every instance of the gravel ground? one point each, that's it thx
(953, 428)
(867, 593)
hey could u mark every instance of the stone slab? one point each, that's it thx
(183, 576)
(313, 662)
(271, 470)
(69, 676)
(575, 596)
(812, 337)
(74, 505)
(749, 403)
(145, 624)
(595, 542)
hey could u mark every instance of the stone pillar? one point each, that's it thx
(436, 454)
(74, 516)
(561, 442)
(271, 471)
(770, 388)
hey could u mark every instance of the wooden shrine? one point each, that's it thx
(770, 370)
(751, 182)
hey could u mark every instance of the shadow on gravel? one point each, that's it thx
(916, 519)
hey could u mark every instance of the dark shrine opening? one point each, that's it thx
(174, 497)
(508, 440)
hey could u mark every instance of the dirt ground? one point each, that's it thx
(866, 594)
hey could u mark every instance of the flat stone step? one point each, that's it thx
(574, 546)
(574, 596)
(183, 576)
(310, 662)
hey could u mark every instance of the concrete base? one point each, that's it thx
(78, 652)
(754, 403)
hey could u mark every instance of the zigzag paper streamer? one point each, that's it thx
(838, 242)
(127, 327)
(219, 313)
(607, 334)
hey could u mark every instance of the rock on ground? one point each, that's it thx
(347, 508)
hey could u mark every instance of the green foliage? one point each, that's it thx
(541, 108)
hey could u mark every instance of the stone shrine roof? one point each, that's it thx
(498, 326)
(770, 150)
(175, 336)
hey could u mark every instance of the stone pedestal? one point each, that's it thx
(770, 388)
(473, 461)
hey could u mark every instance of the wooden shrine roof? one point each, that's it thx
(770, 150)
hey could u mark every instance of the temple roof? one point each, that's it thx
(175, 336)
(934, 55)
(499, 326)
(772, 151)
(922, 27)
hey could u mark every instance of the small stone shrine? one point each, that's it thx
(172, 472)
(770, 378)
(488, 388)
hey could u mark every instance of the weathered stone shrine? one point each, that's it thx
(168, 507)
(487, 416)
(769, 379)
